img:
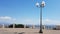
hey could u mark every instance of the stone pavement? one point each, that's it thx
(26, 31)
(32, 33)
(7, 33)
(18, 33)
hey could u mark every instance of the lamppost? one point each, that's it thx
(40, 6)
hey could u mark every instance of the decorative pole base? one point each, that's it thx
(40, 31)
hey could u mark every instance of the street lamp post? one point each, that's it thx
(40, 6)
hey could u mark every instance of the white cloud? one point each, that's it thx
(47, 20)
(37, 21)
(51, 21)
(7, 19)
(28, 21)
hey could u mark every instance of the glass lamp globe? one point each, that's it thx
(37, 4)
(42, 4)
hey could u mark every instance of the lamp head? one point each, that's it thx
(42, 4)
(37, 4)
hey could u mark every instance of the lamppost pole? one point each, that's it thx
(40, 6)
(40, 20)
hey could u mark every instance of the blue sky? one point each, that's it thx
(26, 12)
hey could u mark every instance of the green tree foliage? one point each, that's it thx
(10, 26)
(17, 26)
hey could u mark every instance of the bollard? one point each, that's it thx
(3, 25)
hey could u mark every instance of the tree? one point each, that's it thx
(10, 26)
(17, 26)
